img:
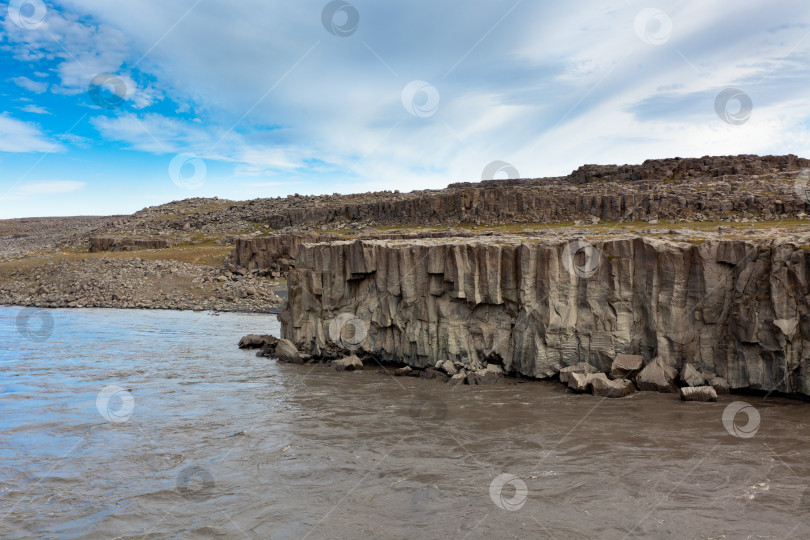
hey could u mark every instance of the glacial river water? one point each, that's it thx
(152, 424)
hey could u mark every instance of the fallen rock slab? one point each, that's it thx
(350, 363)
(580, 367)
(657, 376)
(691, 377)
(253, 341)
(457, 379)
(626, 366)
(287, 352)
(482, 377)
(579, 382)
(720, 385)
(698, 393)
(404, 372)
(602, 386)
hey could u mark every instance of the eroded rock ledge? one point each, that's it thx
(731, 307)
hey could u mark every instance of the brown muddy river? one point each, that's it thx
(152, 424)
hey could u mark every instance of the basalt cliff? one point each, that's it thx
(735, 307)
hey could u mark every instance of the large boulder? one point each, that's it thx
(657, 376)
(433, 373)
(691, 377)
(720, 385)
(350, 363)
(287, 352)
(482, 377)
(253, 341)
(579, 382)
(581, 368)
(626, 366)
(457, 379)
(698, 393)
(448, 367)
(602, 386)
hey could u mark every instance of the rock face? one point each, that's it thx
(738, 309)
(608, 192)
(112, 243)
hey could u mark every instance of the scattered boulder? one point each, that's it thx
(448, 367)
(602, 386)
(581, 367)
(253, 341)
(433, 373)
(457, 379)
(404, 372)
(657, 376)
(482, 377)
(691, 377)
(720, 385)
(698, 393)
(287, 352)
(350, 363)
(579, 382)
(626, 366)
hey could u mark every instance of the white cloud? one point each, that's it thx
(28, 84)
(41, 189)
(35, 109)
(19, 137)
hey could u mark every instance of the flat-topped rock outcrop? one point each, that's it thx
(735, 308)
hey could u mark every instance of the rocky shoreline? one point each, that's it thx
(627, 374)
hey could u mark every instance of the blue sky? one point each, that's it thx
(262, 98)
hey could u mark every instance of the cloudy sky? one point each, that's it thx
(113, 106)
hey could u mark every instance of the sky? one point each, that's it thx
(110, 107)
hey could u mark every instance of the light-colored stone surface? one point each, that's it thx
(602, 386)
(698, 393)
(350, 363)
(690, 376)
(626, 366)
(657, 376)
(580, 367)
(714, 305)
